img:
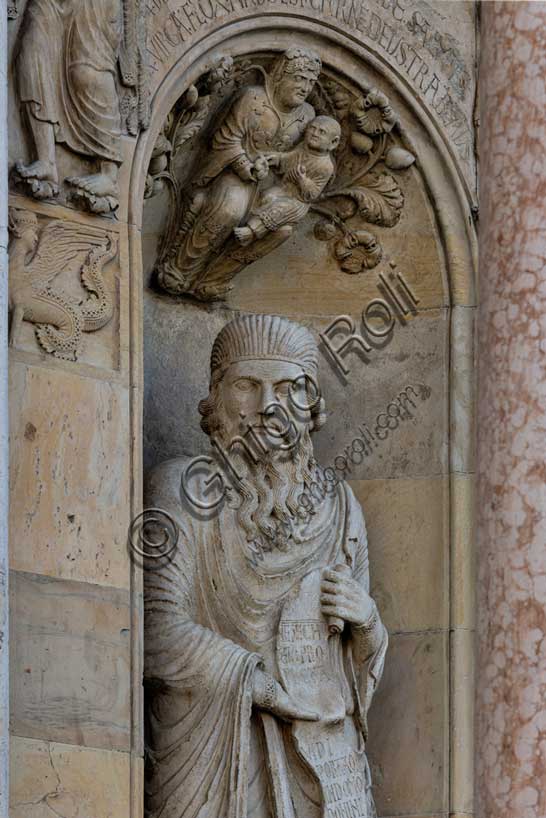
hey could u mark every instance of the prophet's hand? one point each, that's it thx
(343, 597)
(268, 694)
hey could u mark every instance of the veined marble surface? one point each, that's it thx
(511, 755)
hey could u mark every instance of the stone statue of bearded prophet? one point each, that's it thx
(260, 671)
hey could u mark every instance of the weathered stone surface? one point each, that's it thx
(463, 379)
(462, 684)
(70, 659)
(408, 550)
(281, 582)
(306, 272)
(409, 728)
(51, 779)
(463, 555)
(73, 460)
(4, 433)
(66, 61)
(176, 332)
(70, 475)
(323, 277)
(427, 815)
(406, 378)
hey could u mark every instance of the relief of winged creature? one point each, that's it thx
(37, 257)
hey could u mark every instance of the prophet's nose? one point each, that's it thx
(267, 400)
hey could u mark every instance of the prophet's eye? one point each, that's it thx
(283, 389)
(244, 385)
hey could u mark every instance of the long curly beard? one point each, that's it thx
(270, 495)
(270, 492)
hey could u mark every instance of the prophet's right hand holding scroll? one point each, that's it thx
(268, 694)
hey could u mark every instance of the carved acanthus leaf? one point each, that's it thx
(378, 200)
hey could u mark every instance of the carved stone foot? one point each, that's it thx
(97, 193)
(39, 178)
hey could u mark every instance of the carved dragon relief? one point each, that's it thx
(365, 189)
(36, 258)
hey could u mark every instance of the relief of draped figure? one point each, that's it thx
(261, 121)
(71, 60)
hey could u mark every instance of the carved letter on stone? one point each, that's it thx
(263, 647)
(268, 161)
(36, 259)
(66, 65)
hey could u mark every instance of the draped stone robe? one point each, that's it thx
(213, 614)
(66, 67)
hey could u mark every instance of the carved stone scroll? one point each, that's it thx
(37, 258)
(275, 142)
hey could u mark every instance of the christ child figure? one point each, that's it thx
(305, 171)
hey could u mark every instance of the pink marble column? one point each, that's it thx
(511, 696)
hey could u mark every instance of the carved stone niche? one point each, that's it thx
(391, 317)
(262, 147)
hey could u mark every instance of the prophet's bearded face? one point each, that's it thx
(267, 397)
